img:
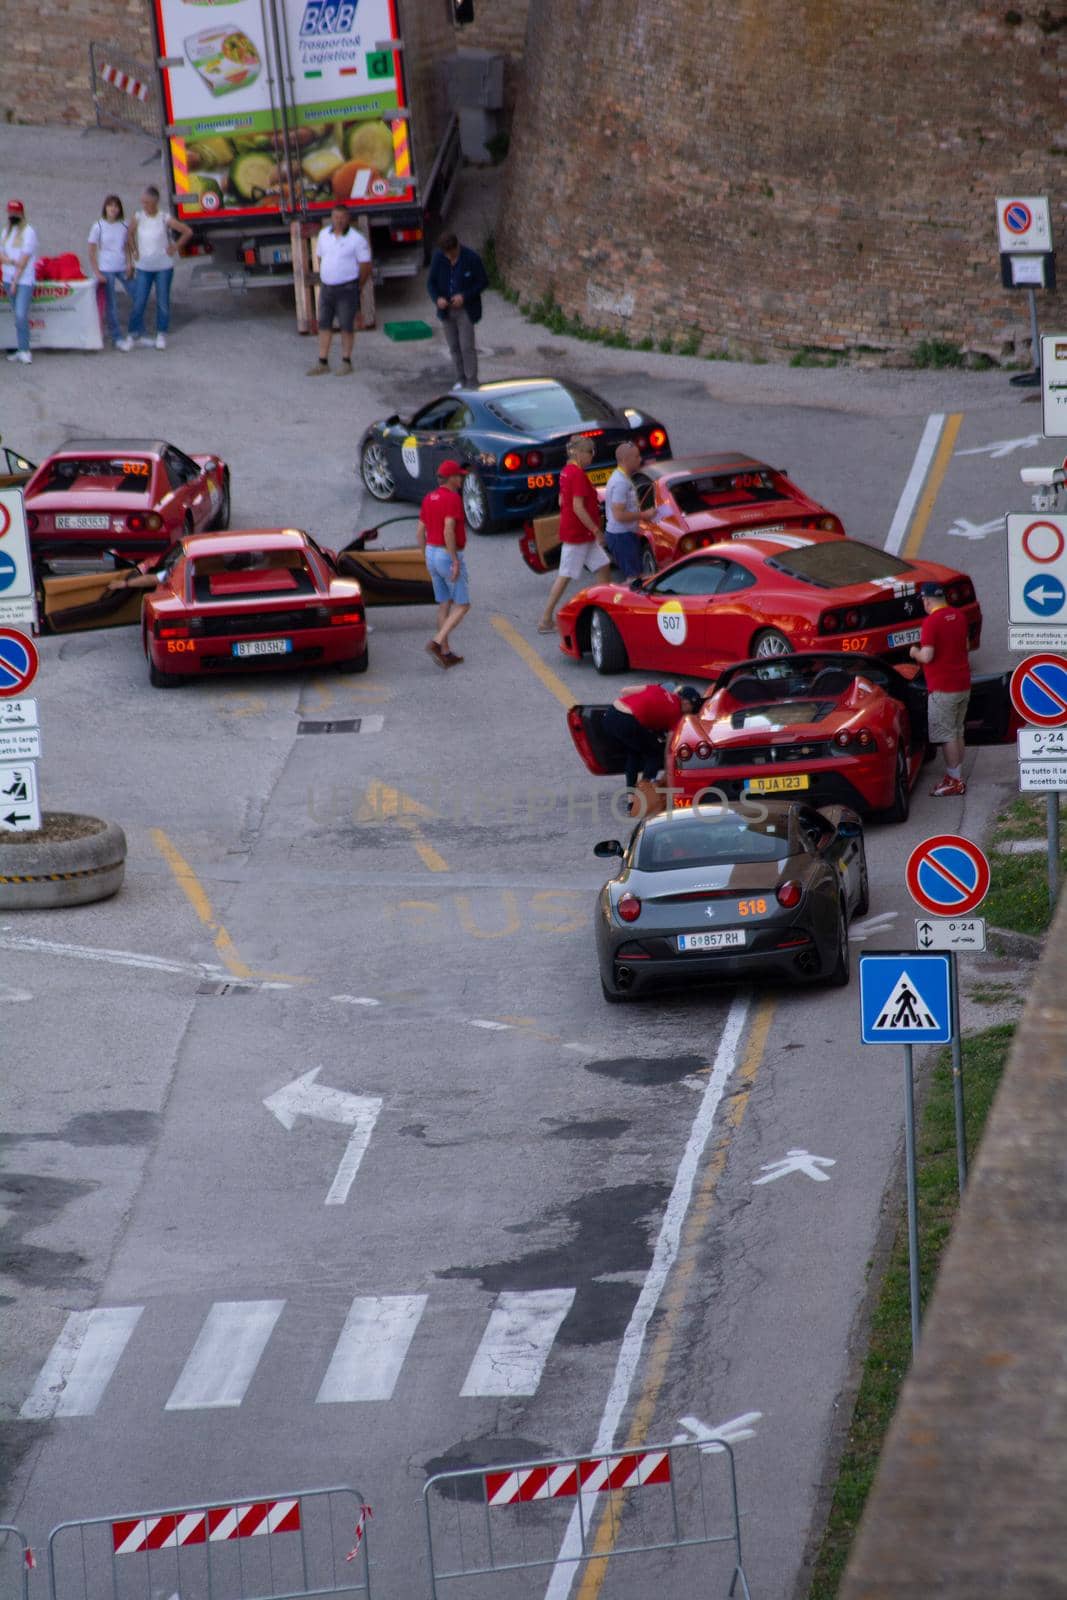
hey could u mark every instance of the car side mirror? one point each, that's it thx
(607, 848)
(637, 583)
(392, 421)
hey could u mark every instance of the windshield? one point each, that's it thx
(551, 408)
(692, 495)
(96, 475)
(839, 563)
(726, 838)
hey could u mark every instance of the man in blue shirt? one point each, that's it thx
(456, 279)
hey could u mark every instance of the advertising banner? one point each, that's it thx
(63, 316)
(287, 105)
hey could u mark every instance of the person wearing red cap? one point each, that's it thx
(443, 536)
(18, 257)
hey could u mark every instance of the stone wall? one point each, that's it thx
(784, 173)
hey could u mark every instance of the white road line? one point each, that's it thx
(130, 958)
(496, 1027)
(225, 1355)
(79, 1368)
(916, 478)
(516, 1343)
(370, 1352)
(355, 1000)
(565, 1570)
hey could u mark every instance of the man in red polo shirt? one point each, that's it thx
(442, 535)
(942, 653)
(640, 720)
(581, 538)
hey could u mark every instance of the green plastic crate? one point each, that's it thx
(408, 330)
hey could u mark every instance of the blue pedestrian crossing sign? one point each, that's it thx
(905, 998)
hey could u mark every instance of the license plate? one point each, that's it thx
(905, 636)
(83, 522)
(728, 939)
(600, 475)
(263, 647)
(778, 785)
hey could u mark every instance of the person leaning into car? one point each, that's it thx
(442, 536)
(942, 654)
(581, 541)
(640, 719)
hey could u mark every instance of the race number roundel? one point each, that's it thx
(409, 455)
(670, 619)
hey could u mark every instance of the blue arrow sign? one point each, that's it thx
(1045, 596)
(905, 998)
(8, 571)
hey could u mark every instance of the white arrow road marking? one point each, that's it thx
(78, 1370)
(870, 927)
(516, 1343)
(1004, 447)
(306, 1098)
(731, 1432)
(796, 1161)
(962, 529)
(225, 1355)
(368, 1356)
(129, 958)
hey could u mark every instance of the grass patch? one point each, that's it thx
(811, 358)
(1018, 895)
(937, 353)
(889, 1354)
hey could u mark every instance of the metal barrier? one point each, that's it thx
(125, 91)
(23, 1555)
(579, 1508)
(276, 1547)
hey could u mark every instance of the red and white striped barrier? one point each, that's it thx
(590, 1476)
(198, 1527)
(123, 82)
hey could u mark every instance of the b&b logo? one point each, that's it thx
(327, 17)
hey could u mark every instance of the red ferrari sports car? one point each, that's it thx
(827, 727)
(225, 602)
(764, 595)
(696, 501)
(131, 496)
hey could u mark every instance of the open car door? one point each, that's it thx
(15, 470)
(991, 717)
(396, 577)
(83, 600)
(601, 754)
(540, 543)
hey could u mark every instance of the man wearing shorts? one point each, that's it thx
(443, 537)
(942, 653)
(581, 540)
(621, 512)
(344, 267)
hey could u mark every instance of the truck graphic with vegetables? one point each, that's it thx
(281, 108)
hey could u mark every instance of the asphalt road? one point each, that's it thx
(554, 1240)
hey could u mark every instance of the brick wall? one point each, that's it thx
(784, 173)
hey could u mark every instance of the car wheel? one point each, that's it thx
(648, 560)
(355, 663)
(771, 643)
(898, 811)
(605, 644)
(841, 970)
(863, 903)
(163, 680)
(476, 509)
(221, 519)
(374, 470)
(612, 996)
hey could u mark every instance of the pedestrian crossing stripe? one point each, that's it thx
(905, 1008)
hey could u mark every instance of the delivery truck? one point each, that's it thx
(276, 110)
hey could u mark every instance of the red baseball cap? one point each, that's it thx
(15, 208)
(452, 469)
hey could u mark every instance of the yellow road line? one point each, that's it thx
(383, 802)
(197, 897)
(931, 489)
(674, 1298)
(521, 647)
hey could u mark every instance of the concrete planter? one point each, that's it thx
(43, 873)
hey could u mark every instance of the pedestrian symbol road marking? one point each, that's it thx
(905, 998)
(905, 1008)
(796, 1161)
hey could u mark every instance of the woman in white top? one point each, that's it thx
(109, 257)
(18, 257)
(155, 239)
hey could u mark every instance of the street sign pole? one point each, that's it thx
(957, 1074)
(913, 1196)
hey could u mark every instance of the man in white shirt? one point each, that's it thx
(621, 512)
(344, 267)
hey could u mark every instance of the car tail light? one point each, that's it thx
(534, 458)
(960, 594)
(704, 751)
(852, 619)
(144, 522)
(657, 438)
(789, 894)
(347, 616)
(707, 540)
(830, 525)
(866, 740)
(166, 630)
(684, 753)
(829, 622)
(687, 544)
(642, 444)
(32, 521)
(512, 461)
(592, 433)
(843, 739)
(629, 907)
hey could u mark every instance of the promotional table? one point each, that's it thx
(63, 316)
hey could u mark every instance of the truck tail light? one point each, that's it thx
(405, 235)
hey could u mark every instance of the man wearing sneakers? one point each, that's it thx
(442, 535)
(942, 653)
(344, 267)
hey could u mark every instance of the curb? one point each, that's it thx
(63, 872)
(1024, 946)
